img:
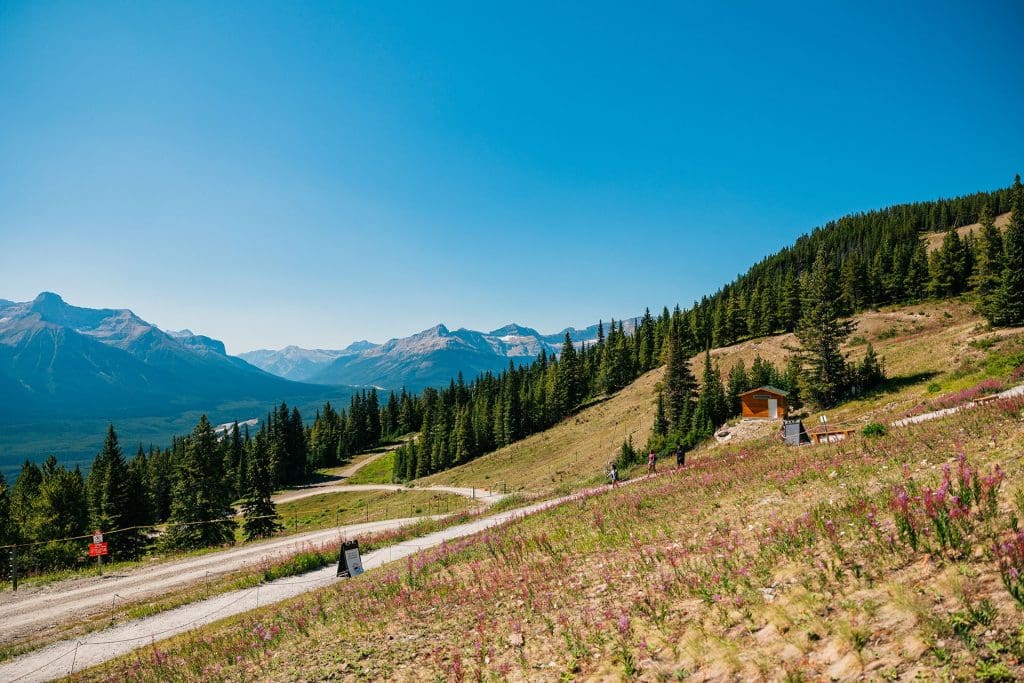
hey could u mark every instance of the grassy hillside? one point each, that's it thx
(755, 562)
(574, 452)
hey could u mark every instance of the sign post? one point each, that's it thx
(14, 569)
(350, 564)
(98, 549)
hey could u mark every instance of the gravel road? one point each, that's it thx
(65, 657)
(36, 609)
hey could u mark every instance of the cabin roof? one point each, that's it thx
(768, 389)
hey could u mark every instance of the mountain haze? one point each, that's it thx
(67, 370)
(429, 358)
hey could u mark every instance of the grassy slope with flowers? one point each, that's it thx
(890, 558)
(758, 560)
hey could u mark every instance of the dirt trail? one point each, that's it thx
(924, 417)
(34, 610)
(484, 496)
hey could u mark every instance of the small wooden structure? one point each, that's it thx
(826, 434)
(766, 403)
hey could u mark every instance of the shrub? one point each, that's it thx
(874, 429)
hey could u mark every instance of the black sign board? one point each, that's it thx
(349, 562)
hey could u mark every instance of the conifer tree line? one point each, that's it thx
(191, 486)
(879, 258)
(464, 421)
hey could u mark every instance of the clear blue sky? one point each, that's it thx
(314, 174)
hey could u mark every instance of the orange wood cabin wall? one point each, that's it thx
(758, 407)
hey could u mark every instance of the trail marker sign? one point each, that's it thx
(350, 564)
(97, 537)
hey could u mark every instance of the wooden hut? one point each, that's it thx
(766, 403)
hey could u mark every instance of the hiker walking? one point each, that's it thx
(651, 463)
(613, 475)
(680, 457)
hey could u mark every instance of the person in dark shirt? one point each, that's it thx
(680, 456)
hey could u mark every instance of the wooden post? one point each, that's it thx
(14, 569)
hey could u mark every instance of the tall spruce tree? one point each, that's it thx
(660, 426)
(1008, 302)
(258, 509)
(679, 382)
(119, 500)
(6, 525)
(824, 375)
(201, 512)
(989, 268)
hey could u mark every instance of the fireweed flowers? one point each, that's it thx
(944, 518)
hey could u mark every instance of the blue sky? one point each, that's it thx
(319, 173)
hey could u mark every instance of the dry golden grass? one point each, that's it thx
(933, 240)
(572, 453)
(352, 507)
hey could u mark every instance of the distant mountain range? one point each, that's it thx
(430, 358)
(67, 370)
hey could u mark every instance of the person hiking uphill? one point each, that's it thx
(613, 475)
(651, 463)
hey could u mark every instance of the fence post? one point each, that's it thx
(14, 569)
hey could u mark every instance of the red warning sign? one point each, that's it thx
(97, 549)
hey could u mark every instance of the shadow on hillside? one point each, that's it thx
(317, 479)
(895, 384)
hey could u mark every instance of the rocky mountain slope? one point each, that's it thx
(429, 358)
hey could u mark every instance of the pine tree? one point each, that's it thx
(679, 383)
(260, 518)
(24, 496)
(201, 514)
(660, 427)
(120, 500)
(824, 377)
(6, 533)
(916, 282)
(1008, 302)
(950, 266)
(712, 394)
(989, 270)
(159, 476)
(738, 383)
(60, 511)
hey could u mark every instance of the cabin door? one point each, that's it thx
(773, 408)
